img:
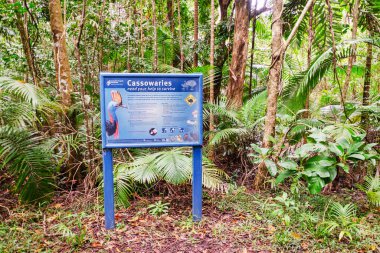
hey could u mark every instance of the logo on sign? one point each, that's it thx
(190, 100)
(114, 82)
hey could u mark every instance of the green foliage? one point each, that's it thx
(326, 150)
(342, 220)
(371, 187)
(23, 150)
(236, 126)
(300, 85)
(171, 165)
(158, 208)
(23, 153)
(23, 104)
(262, 155)
(75, 238)
(284, 207)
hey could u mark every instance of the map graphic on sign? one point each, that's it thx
(151, 110)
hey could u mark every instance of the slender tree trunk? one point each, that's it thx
(252, 48)
(212, 51)
(170, 19)
(23, 30)
(129, 41)
(239, 55)
(278, 50)
(273, 85)
(98, 33)
(310, 39)
(196, 32)
(180, 35)
(274, 73)
(367, 86)
(91, 178)
(141, 34)
(61, 60)
(155, 61)
(351, 59)
(221, 50)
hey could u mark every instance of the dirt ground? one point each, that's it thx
(74, 222)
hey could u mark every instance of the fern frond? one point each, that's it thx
(23, 154)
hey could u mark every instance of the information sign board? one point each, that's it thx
(150, 110)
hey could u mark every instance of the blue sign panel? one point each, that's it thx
(151, 110)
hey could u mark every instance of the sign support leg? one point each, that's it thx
(197, 183)
(108, 189)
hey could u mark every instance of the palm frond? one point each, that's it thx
(124, 186)
(254, 108)
(229, 134)
(338, 211)
(172, 165)
(301, 84)
(212, 176)
(371, 187)
(220, 110)
(25, 91)
(23, 154)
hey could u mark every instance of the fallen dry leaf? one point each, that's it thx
(296, 235)
(96, 245)
(271, 229)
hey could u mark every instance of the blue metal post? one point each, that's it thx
(197, 183)
(108, 188)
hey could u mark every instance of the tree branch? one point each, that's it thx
(295, 28)
(255, 12)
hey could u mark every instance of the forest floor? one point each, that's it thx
(240, 221)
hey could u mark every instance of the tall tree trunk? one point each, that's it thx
(91, 177)
(196, 32)
(212, 51)
(23, 30)
(274, 81)
(351, 59)
(170, 19)
(239, 55)
(129, 41)
(98, 34)
(142, 51)
(367, 86)
(180, 35)
(61, 60)
(252, 48)
(273, 85)
(221, 50)
(278, 50)
(310, 38)
(155, 61)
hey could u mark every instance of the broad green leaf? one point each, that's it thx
(323, 172)
(336, 149)
(318, 161)
(318, 136)
(357, 156)
(284, 175)
(271, 166)
(256, 148)
(304, 150)
(345, 167)
(315, 185)
(289, 165)
(333, 172)
(355, 147)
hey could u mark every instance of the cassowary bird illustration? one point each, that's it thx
(112, 125)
